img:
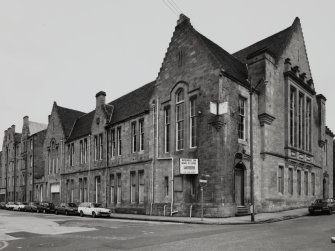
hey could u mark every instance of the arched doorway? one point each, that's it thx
(239, 184)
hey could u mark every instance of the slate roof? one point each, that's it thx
(132, 104)
(329, 132)
(68, 117)
(82, 126)
(229, 63)
(274, 44)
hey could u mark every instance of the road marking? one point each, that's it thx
(3, 244)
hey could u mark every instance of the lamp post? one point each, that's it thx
(252, 199)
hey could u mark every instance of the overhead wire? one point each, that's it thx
(176, 7)
(168, 4)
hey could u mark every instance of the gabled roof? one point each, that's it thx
(230, 64)
(329, 132)
(68, 117)
(82, 126)
(35, 127)
(132, 104)
(274, 44)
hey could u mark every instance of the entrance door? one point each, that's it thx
(239, 186)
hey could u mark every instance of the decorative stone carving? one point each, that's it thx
(265, 118)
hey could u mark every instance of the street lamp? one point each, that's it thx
(251, 92)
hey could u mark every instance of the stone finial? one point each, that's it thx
(303, 76)
(182, 18)
(287, 64)
(310, 82)
(296, 70)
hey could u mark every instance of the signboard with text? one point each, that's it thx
(188, 166)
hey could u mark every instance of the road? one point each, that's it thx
(31, 231)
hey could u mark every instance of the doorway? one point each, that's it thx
(239, 184)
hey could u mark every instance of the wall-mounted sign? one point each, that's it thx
(188, 166)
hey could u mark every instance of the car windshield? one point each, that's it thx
(72, 205)
(96, 205)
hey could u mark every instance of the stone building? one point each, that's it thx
(146, 151)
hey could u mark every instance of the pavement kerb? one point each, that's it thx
(197, 221)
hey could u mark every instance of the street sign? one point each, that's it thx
(203, 181)
(188, 166)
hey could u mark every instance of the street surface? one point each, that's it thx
(31, 231)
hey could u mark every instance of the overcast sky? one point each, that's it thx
(66, 50)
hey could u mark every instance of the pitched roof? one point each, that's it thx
(274, 44)
(35, 127)
(329, 132)
(133, 103)
(68, 117)
(82, 126)
(229, 63)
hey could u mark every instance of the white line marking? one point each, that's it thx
(4, 244)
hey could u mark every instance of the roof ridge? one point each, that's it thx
(70, 109)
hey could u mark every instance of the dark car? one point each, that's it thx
(322, 206)
(32, 207)
(45, 207)
(67, 208)
(2, 205)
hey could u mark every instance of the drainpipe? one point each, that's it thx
(152, 161)
(60, 163)
(14, 172)
(33, 171)
(7, 163)
(107, 163)
(89, 167)
(172, 180)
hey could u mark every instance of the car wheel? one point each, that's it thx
(81, 214)
(56, 212)
(94, 215)
(44, 211)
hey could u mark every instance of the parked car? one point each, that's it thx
(10, 205)
(2, 205)
(32, 207)
(67, 208)
(19, 206)
(45, 207)
(322, 206)
(93, 209)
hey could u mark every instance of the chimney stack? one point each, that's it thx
(100, 98)
(13, 129)
(25, 120)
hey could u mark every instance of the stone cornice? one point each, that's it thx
(265, 118)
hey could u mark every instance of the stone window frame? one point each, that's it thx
(299, 179)
(180, 118)
(141, 134)
(280, 179)
(167, 129)
(193, 121)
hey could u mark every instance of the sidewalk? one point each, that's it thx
(259, 218)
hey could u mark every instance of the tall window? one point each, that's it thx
(97, 189)
(193, 122)
(167, 128)
(101, 146)
(293, 104)
(141, 187)
(141, 129)
(308, 124)
(281, 179)
(81, 190)
(72, 154)
(180, 119)
(118, 187)
(49, 162)
(290, 181)
(132, 187)
(241, 118)
(325, 149)
(301, 123)
(113, 143)
(313, 184)
(133, 137)
(81, 152)
(85, 150)
(95, 147)
(306, 183)
(119, 141)
(166, 185)
(298, 182)
(57, 162)
(112, 188)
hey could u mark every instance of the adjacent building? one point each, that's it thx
(147, 151)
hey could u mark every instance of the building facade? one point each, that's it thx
(147, 151)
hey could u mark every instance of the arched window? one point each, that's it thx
(180, 119)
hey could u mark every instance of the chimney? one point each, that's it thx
(25, 120)
(13, 129)
(100, 98)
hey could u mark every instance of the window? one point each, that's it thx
(81, 189)
(180, 119)
(141, 187)
(68, 154)
(313, 184)
(298, 182)
(101, 146)
(167, 129)
(133, 137)
(49, 162)
(31, 144)
(281, 179)
(72, 190)
(112, 188)
(85, 150)
(118, 192)
(31, 161)
(113, 143)
(97, 189)
(241, 118)
(166, 185)
(308, 125)
(95, 147)
(132, 187)
(293, 104)
(301, 124)
(325, 149)
(141, 129)
(85, 190)
(193, 122)
(306, 183)
(81, 152)
(119, 141)
(72, 155)
(57, 166)
(290, 181)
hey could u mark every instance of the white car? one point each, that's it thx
(10, 205)
(93, 209)
(19, 206)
